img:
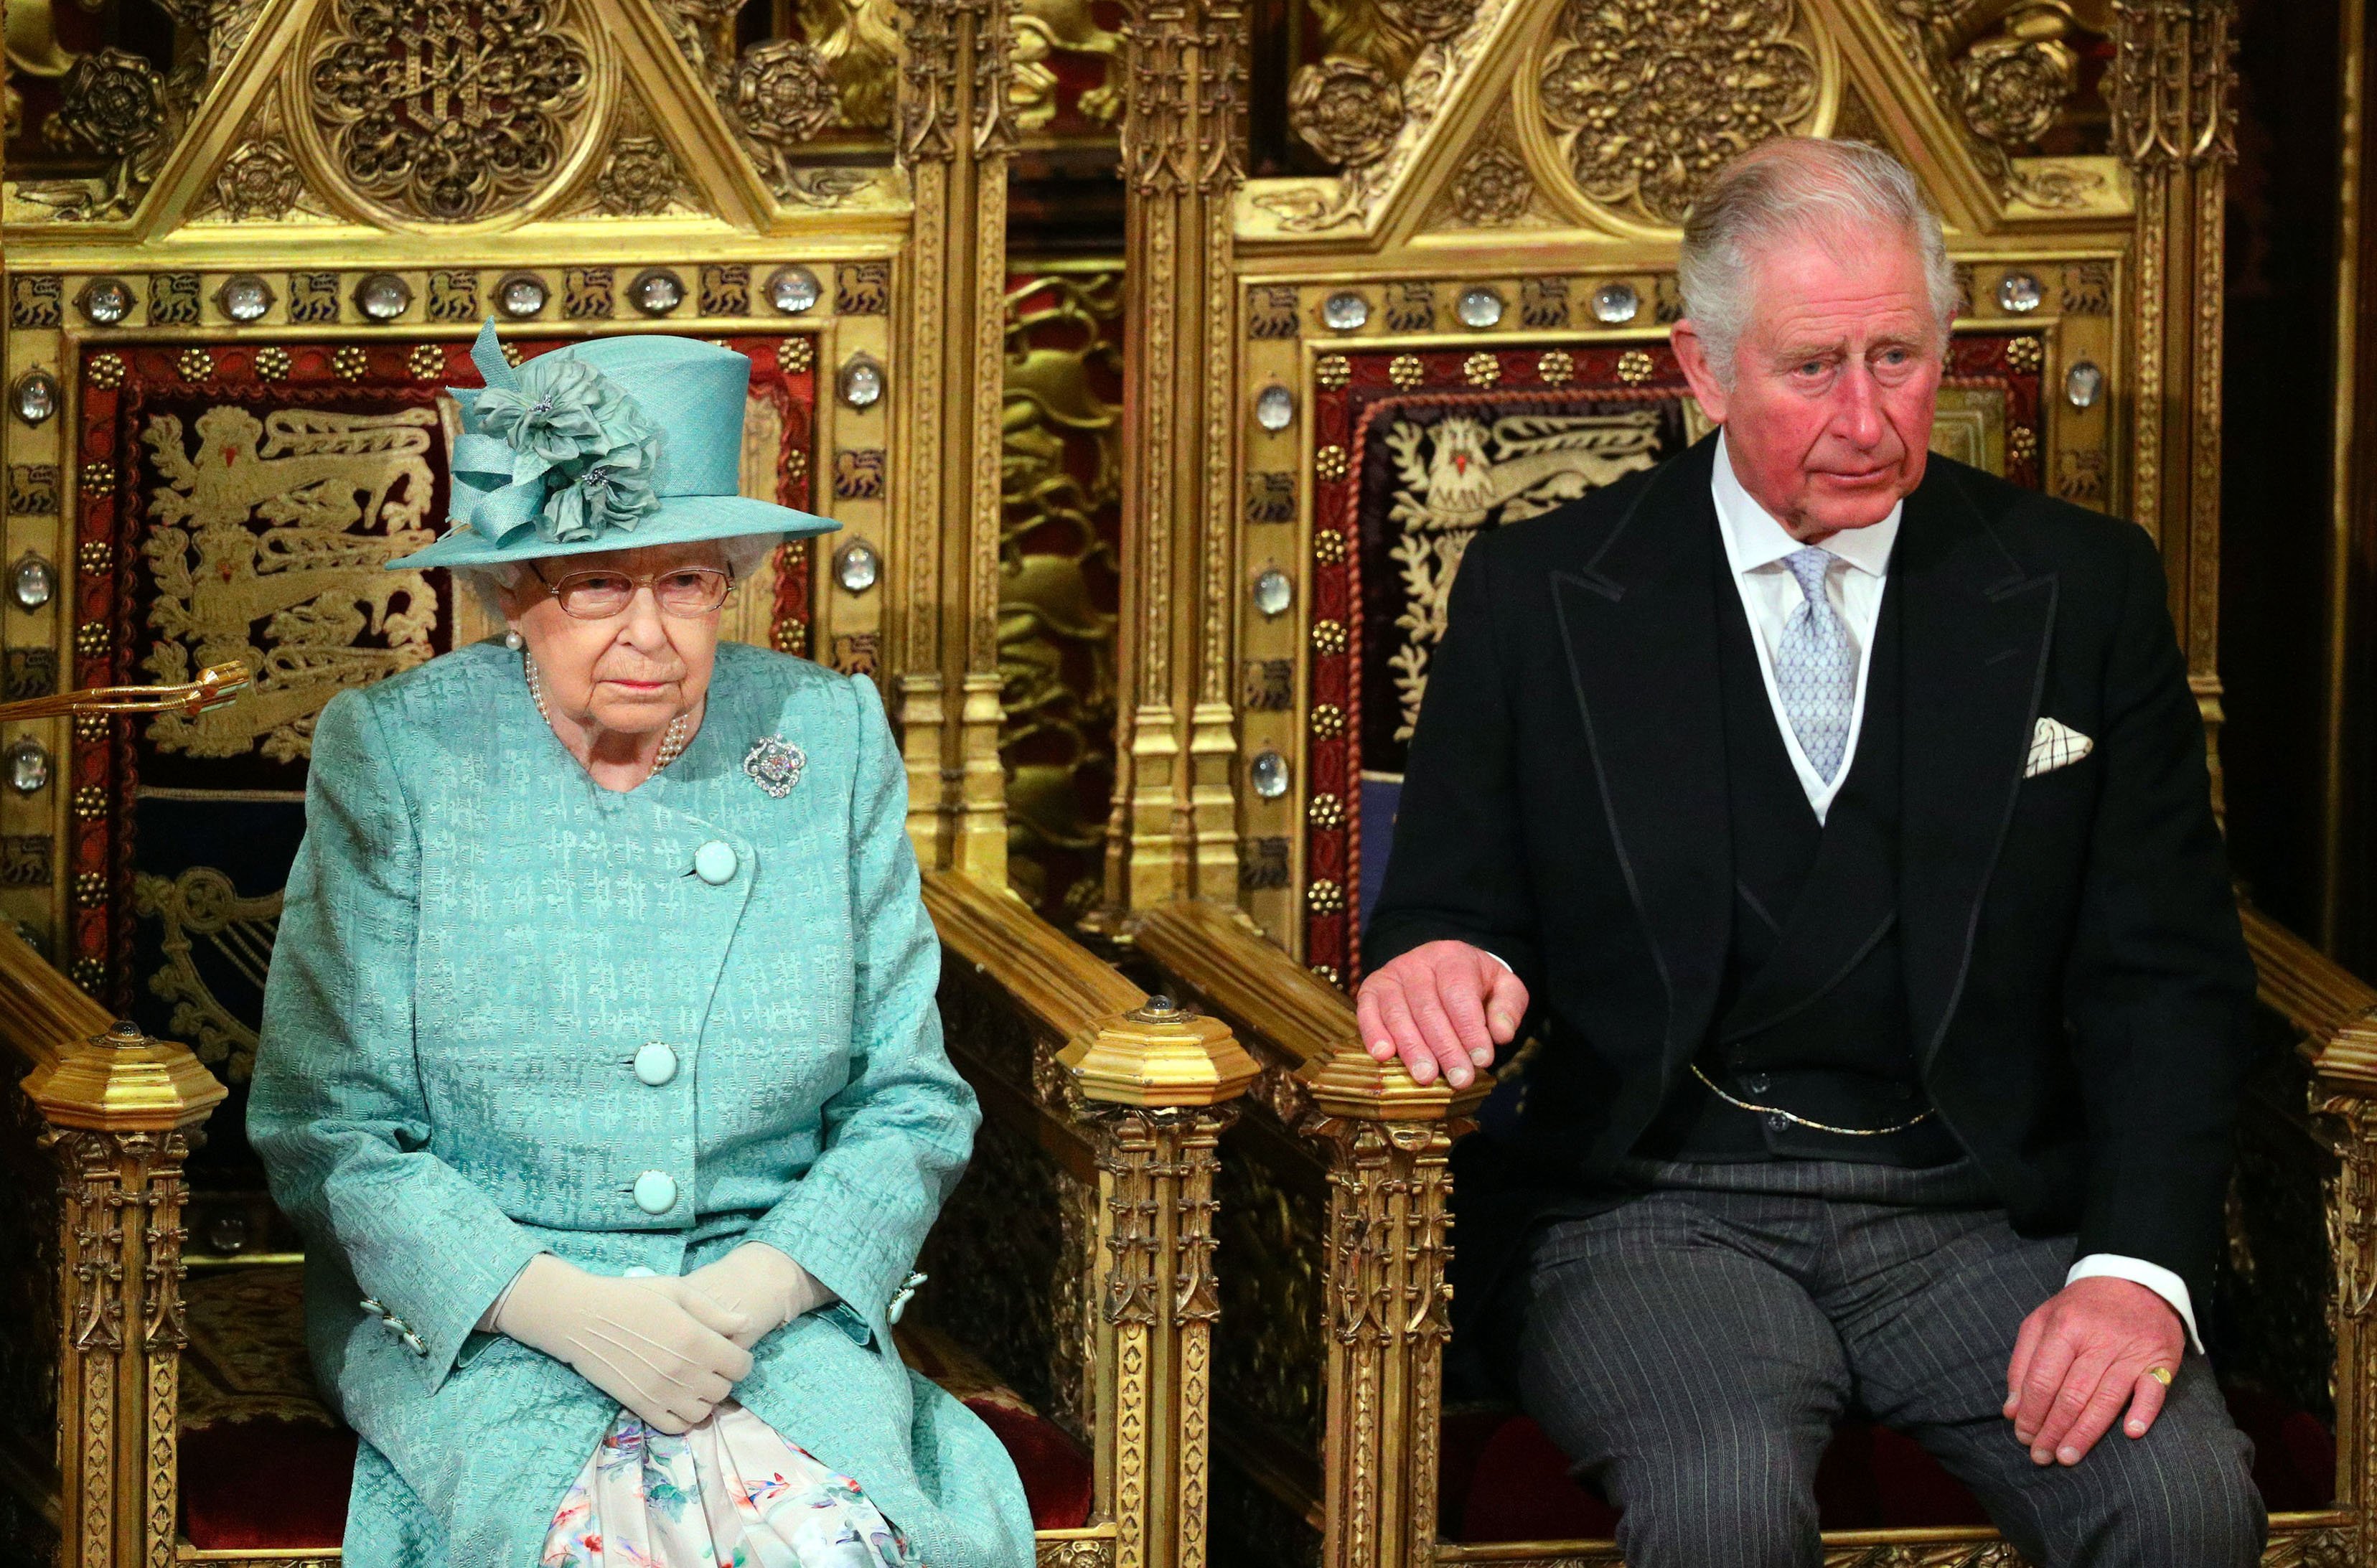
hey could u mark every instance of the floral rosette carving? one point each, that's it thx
(557, 445)
(1346, 110)
(639, 179)
(114, 103)
(259, 180)
(1651, 97)
(781, 97)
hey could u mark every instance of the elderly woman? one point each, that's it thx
(600, 1064)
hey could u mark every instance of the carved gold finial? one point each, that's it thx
(1349, 1082)
(124, 1082)
(1160, 1054)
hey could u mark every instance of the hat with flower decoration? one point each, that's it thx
(612, 445)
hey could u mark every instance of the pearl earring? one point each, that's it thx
(515, 641)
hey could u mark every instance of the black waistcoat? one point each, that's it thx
(1812, 1016)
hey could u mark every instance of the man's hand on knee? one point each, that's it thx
(1443, 1007)
(2092, 1348)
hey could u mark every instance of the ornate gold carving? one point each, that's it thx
(1646, 98)
(452, 113)
(1044, 28)
(259, 180)
(1060, 492)
(1493, 188)
(1481, 369)
(339, 495)
(780, 99)
(1346, 110)
(1084, 1551)
(640, 177)
(1634, 367)
(2007, 79)
(1557, 368)
(115, 104)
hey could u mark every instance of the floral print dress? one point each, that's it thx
(728, 1493)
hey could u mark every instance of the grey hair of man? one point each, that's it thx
(1797, 188)
(745, 555)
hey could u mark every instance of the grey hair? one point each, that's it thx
(746, 553)
(1791, 188)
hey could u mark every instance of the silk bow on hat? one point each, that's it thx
(554, 443)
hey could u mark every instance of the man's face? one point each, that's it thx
(1835, 377)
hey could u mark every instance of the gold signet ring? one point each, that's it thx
(2160, 1375)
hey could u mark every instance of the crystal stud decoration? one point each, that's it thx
(2019, 292)
(1614, 304)
(1274, 592)
(32, 581)
(104, 302)
(861, 381)
(794, 289)
(1480, 308)
(2083, 384)
(521, 294)
(1345, 311)
(1268, 773)
(1275, 407)
(656, 292)
(29, 766)
(245, 298)
(856, 566)
(383, 297)
(34, 398)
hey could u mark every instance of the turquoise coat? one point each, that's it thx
(477, 942)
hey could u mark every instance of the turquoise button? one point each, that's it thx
(655, 1064)
(715, 862)
(656, 1191)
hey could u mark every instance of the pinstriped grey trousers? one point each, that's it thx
(1692, 1347)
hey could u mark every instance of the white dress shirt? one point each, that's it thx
(1755, 545)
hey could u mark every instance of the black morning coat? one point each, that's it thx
(2075, 974)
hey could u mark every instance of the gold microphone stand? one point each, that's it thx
(216, 685)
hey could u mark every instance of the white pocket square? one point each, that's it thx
(2055, 745)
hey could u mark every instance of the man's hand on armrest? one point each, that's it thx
(1443, 1007)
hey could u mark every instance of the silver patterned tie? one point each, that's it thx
(1815, 666)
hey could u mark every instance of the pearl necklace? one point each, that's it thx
(671, 744)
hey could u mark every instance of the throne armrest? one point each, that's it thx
(1082, 1242)
(92, 1343)
(1385, 1139)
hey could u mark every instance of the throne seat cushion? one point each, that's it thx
(265, 1466)
(1504, 1480)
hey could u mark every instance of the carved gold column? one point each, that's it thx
(120, 1111)
(1174, 831)
(956, 135)
(1390, 1190)
(2344, 1095)
(1158, 1082)
(2173, 124)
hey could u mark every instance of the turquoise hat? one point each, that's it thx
(618, 444)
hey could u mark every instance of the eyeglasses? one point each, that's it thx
(684, 591)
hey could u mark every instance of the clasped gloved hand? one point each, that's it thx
(666, 1351)
(763, 1285)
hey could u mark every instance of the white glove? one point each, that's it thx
(763, 1285)
(666, 1352)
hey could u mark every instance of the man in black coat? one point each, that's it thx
(1845, 810)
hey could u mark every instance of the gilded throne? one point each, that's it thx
(247, 245)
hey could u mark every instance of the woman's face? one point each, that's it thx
(629, 672)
